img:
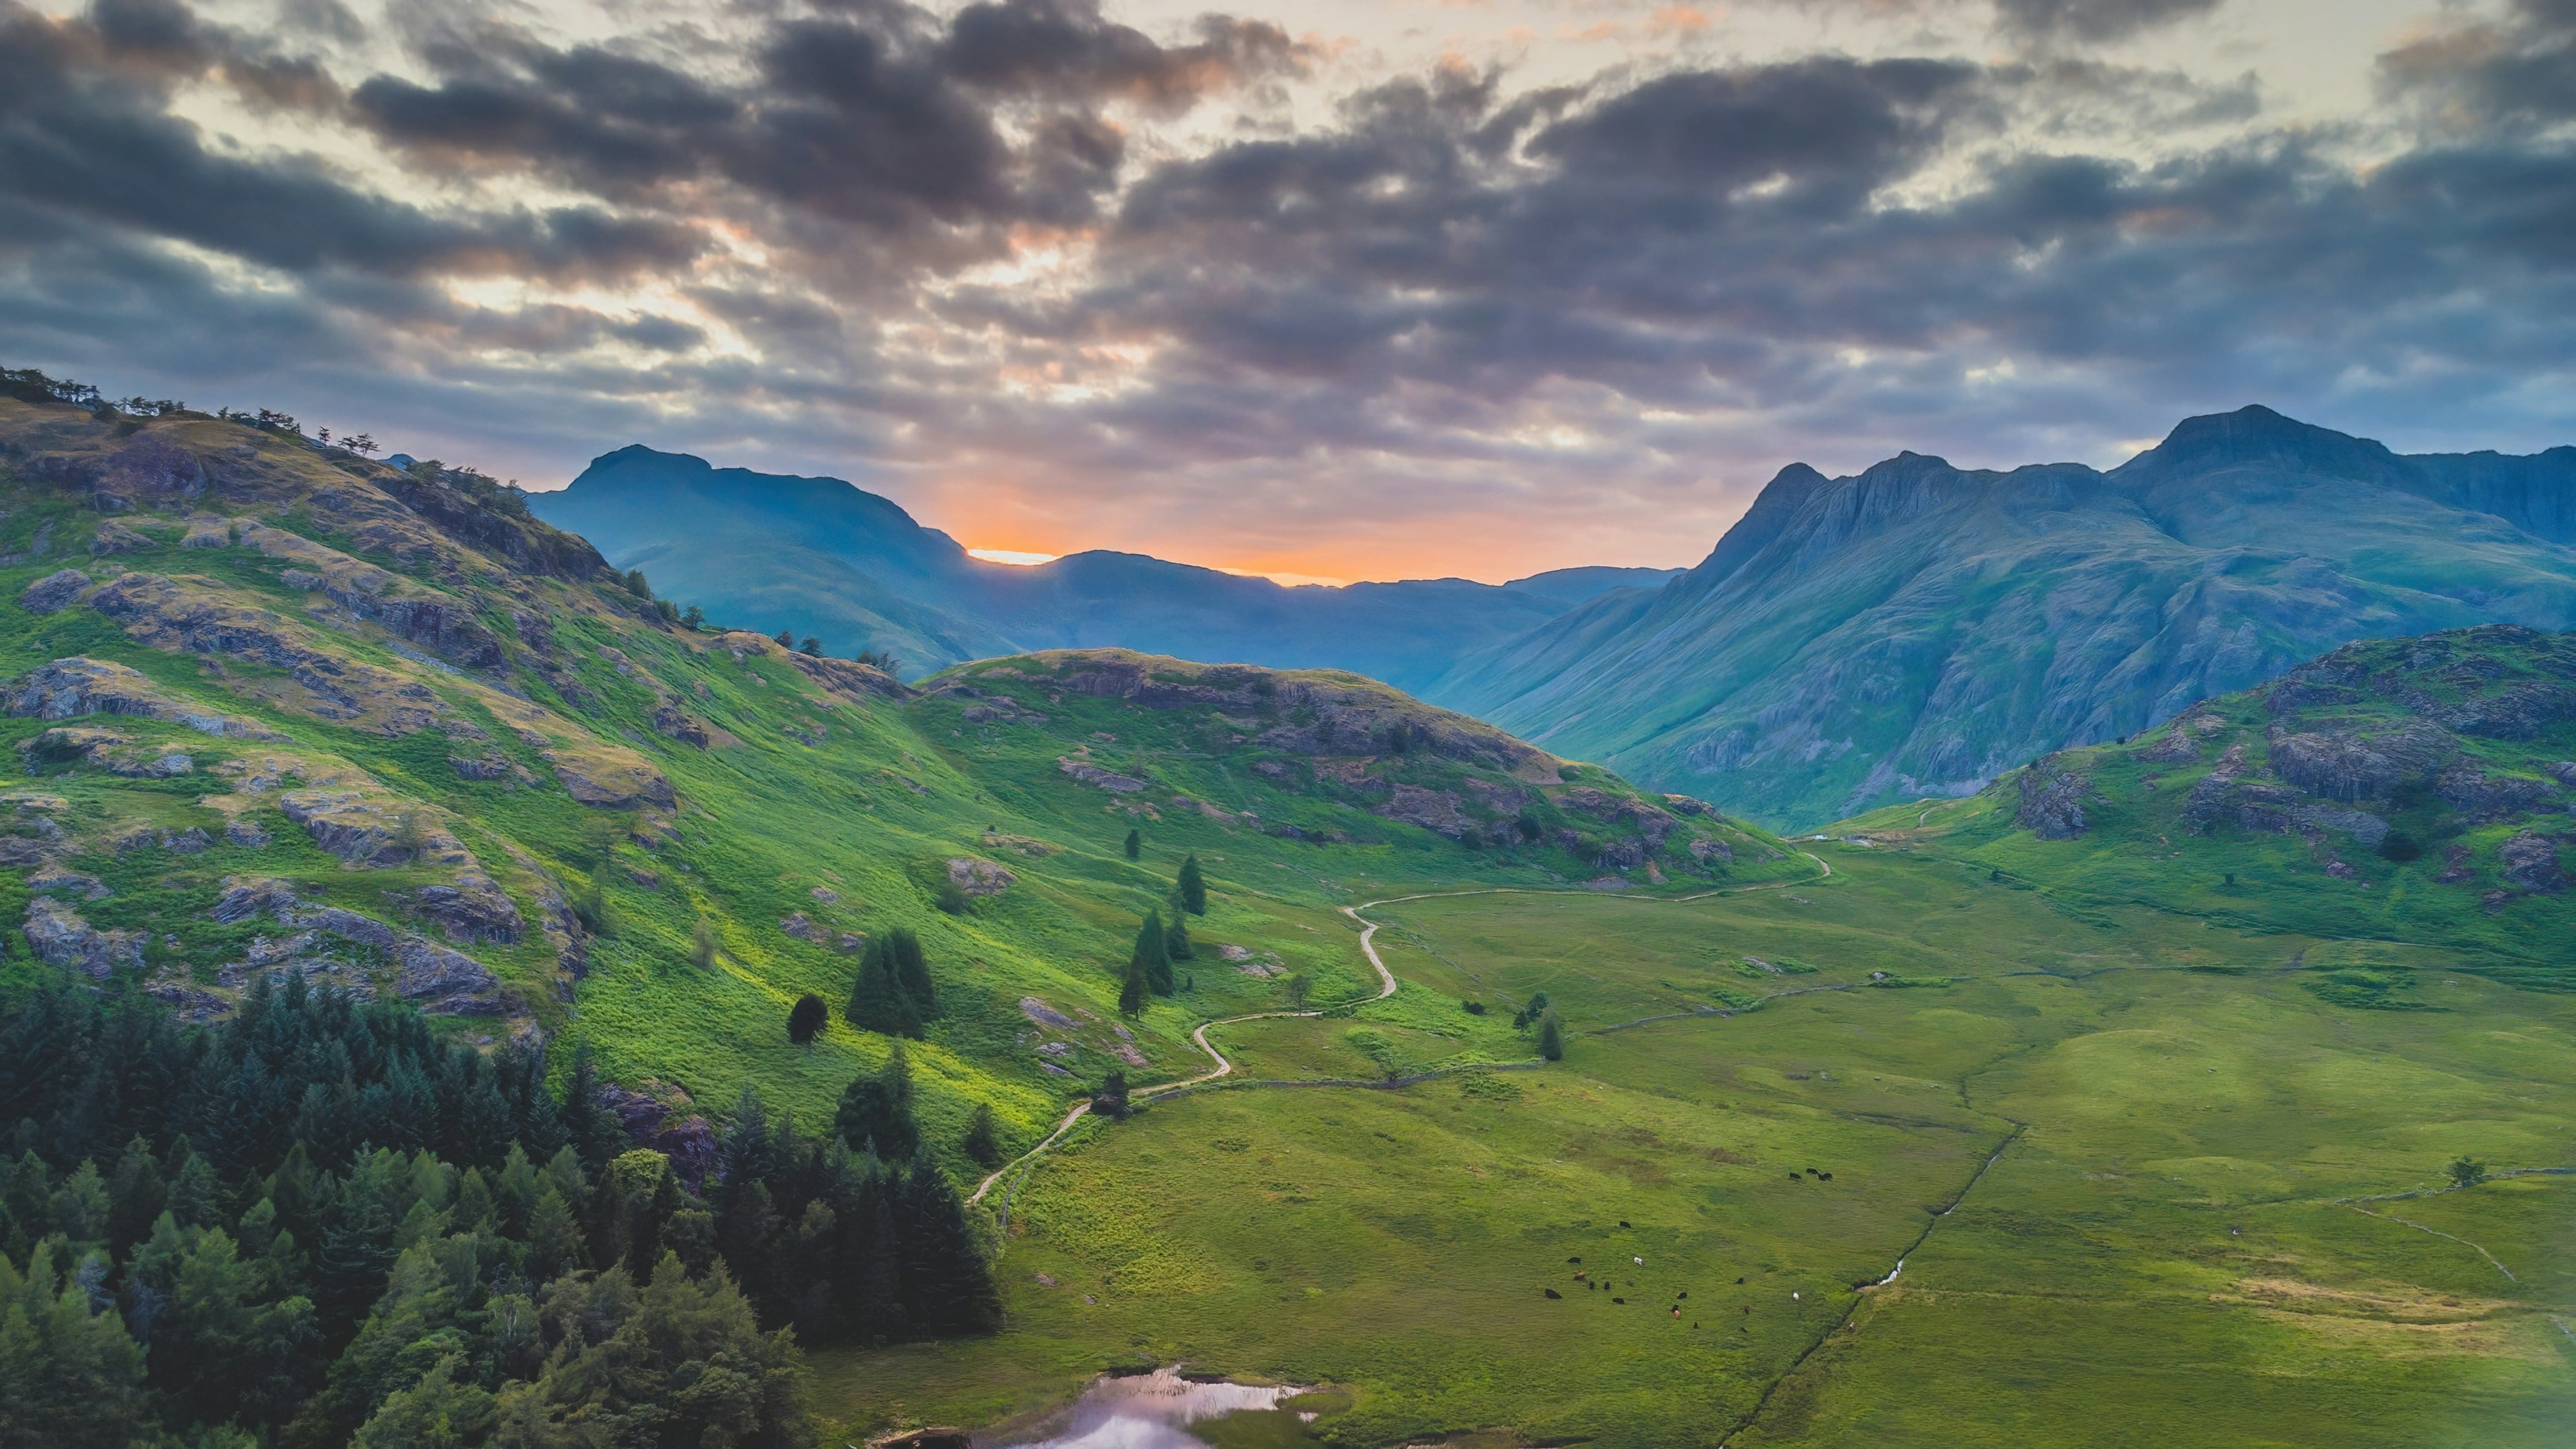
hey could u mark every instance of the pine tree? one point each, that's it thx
(878, 1000)
(947, 1284)
(912, 970)
(1176, 937)
(1551, 1036)
(1135, 844)
(1193, 886)
(702, 947)
(805, 1022)
(983, 1145)
(876, 1110)
(1132, 992)
(1153, 954)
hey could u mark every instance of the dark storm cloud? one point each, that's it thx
(2095, 19)
(878, 115)
(2517, 72)
(85, 132)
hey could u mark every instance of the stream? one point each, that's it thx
(1149, 1411)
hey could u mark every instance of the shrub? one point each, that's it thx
(805, 1021)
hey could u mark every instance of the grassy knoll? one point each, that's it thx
(2157, 1258)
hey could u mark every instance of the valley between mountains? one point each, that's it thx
(2186, 1004)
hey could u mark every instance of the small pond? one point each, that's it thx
(1148, 1411)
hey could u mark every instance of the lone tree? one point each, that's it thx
(1192, 886)
(811, 647)
(1551, 1036)
(876, 1109)
(894, 995)
(1298, 988)
(805, 1022)
(1111, 1100)
(2467, 1171)
(1131, 993)
(983, 1144)
(702, 948)
(1153, 954)
(1176, 939)
(785, 639)
(1135, 844)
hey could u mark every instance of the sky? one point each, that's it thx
(1338, 289)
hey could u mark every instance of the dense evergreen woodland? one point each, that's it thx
(317, 1224)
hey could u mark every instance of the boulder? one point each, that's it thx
(470, 910)
(1098, 778)
(2530, 861)
(61, 938)
(54, 592)
(979, 877)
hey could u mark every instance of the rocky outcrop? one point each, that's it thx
(1651, 824)
(661, 1117)
(1438, 811)
(54, 592)
(437, 980)
(191, 618)
(670, 722)
(612, 784)
(979, 877)
(1098, 778)
(2530, 860)
(2052, 801)
(71, 688)
(61, 938)
(471, 910)
(2485, 798)
(362, 831)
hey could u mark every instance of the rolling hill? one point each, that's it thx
(1919, 629)
(2417, 791)
(818, 555)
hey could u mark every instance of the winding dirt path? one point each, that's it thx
(1387, 987)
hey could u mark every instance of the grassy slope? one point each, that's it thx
(852, 792)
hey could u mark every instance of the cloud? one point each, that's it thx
(2094, 20)
(1101, 284)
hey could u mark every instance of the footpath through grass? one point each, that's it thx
(2159, 1257)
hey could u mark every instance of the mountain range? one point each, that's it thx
(821, 556)
(1916, 629)
(1919, 629)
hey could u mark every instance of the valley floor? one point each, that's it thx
(2175, 1173)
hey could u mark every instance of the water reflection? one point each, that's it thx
(1149, 1411)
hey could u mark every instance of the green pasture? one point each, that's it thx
(2159, 1256)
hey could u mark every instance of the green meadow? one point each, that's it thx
(2162, 1252)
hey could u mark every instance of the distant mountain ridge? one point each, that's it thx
(824, 556)
(1918, 629)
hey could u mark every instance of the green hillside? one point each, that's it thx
(1919, 629)
(2413, 792)
(1943, 1135)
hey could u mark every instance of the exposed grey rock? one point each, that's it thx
(2484, 797)
(243, 831)
(802, 927)
(669, 720)
(2531, 862)
(70, 688)
(54, 592)
(979, 877)
(191, 841)
(1098, 778)
(244, 899)
(61, 938)
(2052, 801)
(1043, 1014)
(472, 909)
(55, 878)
